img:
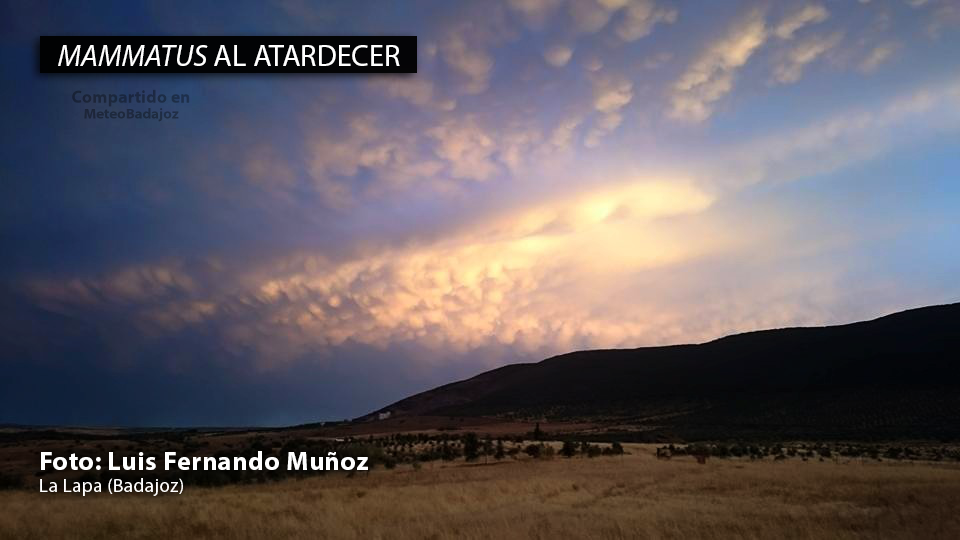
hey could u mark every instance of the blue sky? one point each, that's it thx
(558, 175)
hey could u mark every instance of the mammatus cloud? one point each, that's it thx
(334, 157)
(641, 16)
(417, 90)
(636, 260)
(611, 94)
(473, 63)
(711, 75)
(512, 280)
(590, 16)
(606, 265)
(562, 134)
(637, 17)
(558, 55)
(130, 285)
(603, 125)
(367, 157)
(465, 48)
(534, 12)
(466, 147)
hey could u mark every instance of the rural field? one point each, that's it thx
(630, 496)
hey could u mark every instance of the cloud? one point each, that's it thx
(335, 156)
(594, 64)
(606, 124)
(469, 58)
(640, 18)
(562, 134)
(854, 135)
(590, 16)
(417, 90)
(369, 157)
(657, 60)
(790, 68)
(509, 279)
(534, 12)
(634, 260)
(710, 77)
(610, 95)
(130, 285)
(466, 148)
(808, 14)
(945, 16)
(264, 166)
(558, 55)
(877, 56)
(625, 258)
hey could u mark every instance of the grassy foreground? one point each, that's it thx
(633, 496)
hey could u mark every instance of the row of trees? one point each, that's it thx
(814, 451)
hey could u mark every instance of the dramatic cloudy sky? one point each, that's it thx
(559, 174)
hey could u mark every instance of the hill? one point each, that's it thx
(892, 377)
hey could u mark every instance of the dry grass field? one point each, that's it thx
(633, 496)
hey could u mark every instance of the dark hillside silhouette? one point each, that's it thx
(896, 376)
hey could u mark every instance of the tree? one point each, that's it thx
(500, 453)
(448, 452)
(537, 434)
(569, 449)
(533, 450)
(487, 448)
(471, 446)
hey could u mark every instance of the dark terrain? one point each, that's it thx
(895, 377)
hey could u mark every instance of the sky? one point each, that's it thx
(558, 175)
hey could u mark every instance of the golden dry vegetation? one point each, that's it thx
(633, 496)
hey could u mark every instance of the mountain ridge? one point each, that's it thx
(897, 366)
